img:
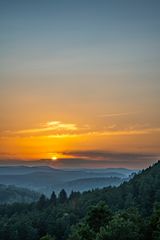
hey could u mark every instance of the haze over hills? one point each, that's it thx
(85, 184)
(131, 209)
(45, 179)
(10, 194)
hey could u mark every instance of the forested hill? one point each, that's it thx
(128, 212)
(10, 194)
(142, 192)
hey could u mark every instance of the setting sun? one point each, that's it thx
(82, 95)
(54, 158)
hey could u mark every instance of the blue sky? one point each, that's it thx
(112, 32)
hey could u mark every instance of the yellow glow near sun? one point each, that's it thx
(54, 158)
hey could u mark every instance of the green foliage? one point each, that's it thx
(62, 196)
(53, 198)
(98, 216)
(155, 223)
(123, 228)
(10, 194)
(42, 202)
(130, 211)
(101, 224)
(47, 237)
(82, 232)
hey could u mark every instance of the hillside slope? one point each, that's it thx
(10, 194)
(132, 213)
(142, 191)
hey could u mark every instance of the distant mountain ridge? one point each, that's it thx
(119, 212)
(85, 184)
(45, 179)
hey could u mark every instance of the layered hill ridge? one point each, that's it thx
(44, 178)
(130, 211)
(142, 191)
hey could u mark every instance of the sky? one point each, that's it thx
(80, 82)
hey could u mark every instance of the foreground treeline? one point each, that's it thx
(131, 211)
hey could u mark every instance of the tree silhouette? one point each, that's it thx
(62, 196)
(53, 198)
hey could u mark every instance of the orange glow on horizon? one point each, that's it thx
(40, 144)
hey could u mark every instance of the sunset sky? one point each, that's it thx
(80, 82)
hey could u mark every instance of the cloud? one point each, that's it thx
(101, 159)
(117, 114)
(108, 155)
(59, 125)
(110, 132)
(49, 126)
(91, 159)
(88, 163)
(58, 129)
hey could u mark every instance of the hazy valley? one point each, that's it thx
(45, 179)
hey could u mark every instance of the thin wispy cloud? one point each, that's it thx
(109, 115)
(49, 126)
(123, 132)
(58, 129)
(60, 125)
(108, 155)
(99, 158)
